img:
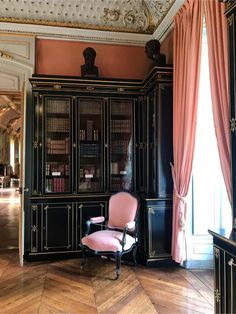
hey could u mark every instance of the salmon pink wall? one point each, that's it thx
(167, 47)
(113, 61)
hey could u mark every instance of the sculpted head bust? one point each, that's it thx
(88, 69)
(152, 49)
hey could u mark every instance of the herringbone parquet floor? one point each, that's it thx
(63, 287)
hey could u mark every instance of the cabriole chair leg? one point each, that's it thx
(83, 256)
(134, 254)
(118, 258)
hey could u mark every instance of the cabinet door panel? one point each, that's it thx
(85, 211)
(37, 151)
(35, 223)
(164, 141)
(141, 140)
(57, 157)
(219, 292)
(230, 289)
(121, 144)
(151, 125)
(57, 227)
(159, 230)
(91, 145)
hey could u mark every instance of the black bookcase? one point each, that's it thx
(92, 138)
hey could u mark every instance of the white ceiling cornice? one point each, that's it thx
(66, 33)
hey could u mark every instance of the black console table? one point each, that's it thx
(225, 271)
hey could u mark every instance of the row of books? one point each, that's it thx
(89, 185)
(58, 146)
(121, 126)
(90, 172)
(88, 136)
(89, 150)
(123, 108)
(57, 185)
(58, 106)
(55, 169)
(120, 183)
(91, 107)
(58, 125)
(116, 183)
(119, 147)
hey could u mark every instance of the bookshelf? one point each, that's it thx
(89, 139)
(121, 144)
(57, 156)
(91, 158)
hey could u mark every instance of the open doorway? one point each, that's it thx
(10, 161)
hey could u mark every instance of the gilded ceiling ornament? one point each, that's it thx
(159, 9)
(138, 16)
(11, 123)
(111, 15)
(3, 108)
(4, 55)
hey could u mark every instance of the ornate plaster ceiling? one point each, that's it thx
(133, 16)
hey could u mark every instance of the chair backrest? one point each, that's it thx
(123, 208)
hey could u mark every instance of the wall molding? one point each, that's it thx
(63, 33)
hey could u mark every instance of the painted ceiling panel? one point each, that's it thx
(137, 16)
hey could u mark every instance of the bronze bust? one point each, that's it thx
(88, 69)
(152, 49)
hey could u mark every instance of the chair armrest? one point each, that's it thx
(93, 221)
(130, 225)
(96, 220)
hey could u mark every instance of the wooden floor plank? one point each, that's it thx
(64, 287)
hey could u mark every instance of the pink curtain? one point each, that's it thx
(216, 25)
(187, 51)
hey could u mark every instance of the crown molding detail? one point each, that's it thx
(64, 33)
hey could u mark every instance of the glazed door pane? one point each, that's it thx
(121, 143)
(90, 135)
(57, 145)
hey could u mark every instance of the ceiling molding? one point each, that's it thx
(74, 34)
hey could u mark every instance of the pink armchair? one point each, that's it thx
(119, 235)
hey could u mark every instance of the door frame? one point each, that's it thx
(17, 64)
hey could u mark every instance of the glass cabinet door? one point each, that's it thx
(121, 144)
(91, 157)
(57, 142)
(151, 173)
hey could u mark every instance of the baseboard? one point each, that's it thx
(198, 264)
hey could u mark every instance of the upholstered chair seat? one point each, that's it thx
(107, 240)
(119, 235)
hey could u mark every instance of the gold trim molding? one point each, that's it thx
(75, 25)
(4, 55)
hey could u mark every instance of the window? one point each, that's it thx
(207, 194)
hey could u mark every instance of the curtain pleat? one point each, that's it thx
(187, 52)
